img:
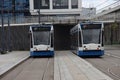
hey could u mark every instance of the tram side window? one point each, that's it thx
(51, 39)
(75, 39)
(31, 42)
(80, 41)
(71, 38)
(102, 38)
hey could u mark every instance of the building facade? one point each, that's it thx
(23, 11)
(55, 7)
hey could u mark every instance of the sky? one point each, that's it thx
(96, 3)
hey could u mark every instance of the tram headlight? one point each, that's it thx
(85, 48)
(35, 48)
(47, 48)
(98, 47)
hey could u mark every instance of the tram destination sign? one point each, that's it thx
(91, 26)
(41, 28)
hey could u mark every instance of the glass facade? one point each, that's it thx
(56, 4)
(60, 4)
(20, 4)
(74, 4)
(17, 9)
(42, 4)
(17, 4)
(0, 5)
(19, 17)
(8, 4)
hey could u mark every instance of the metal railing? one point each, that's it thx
(109, 7)
(111, 16)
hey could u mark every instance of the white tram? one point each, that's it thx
(41, 40)
(87, 39)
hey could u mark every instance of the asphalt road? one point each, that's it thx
(109, 63)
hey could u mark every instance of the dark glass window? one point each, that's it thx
(20, 4)
(42, 37)
(7, 5)
(74, 39)
(0, 5)
(31, 43)
(80, 39)
(102, 38)
(91, 36)
(51, 39)
(91, 26)
(91, 33)
(74, 3)
(42, 4)
(60, 4)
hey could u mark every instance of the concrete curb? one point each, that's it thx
(5, 68)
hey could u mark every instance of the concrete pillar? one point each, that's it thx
(31, 7)
(69, 3)
(51, 4)
(79, 4)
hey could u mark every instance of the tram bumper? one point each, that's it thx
(41, 53)
(90, 53)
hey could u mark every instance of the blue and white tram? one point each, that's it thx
(41, 40)
(87, 39)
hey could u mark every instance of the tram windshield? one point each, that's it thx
(91, 33)
(91, 36)
(41, 37)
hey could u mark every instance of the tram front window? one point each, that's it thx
(91, 36)
(42, 37)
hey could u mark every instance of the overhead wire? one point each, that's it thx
(102, 3)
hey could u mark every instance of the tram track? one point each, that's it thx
(110, 69)
(112, 73)
(45, 70)
(32, 69)
(108, 64)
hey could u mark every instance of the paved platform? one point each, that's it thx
(68, 66)
(112, 47)
(11, 59)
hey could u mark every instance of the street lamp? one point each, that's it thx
(9, 40)
(39, 16)
(2, 29)
(3, 50)
(39, 13)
